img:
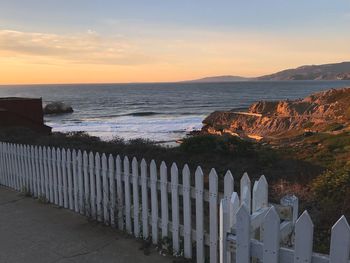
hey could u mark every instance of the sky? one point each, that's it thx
(105, 41)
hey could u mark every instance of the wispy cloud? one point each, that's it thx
(87, 48)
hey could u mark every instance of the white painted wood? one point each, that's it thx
(154, 201)
(59, 177)
(213, 216)
(86, 173)
(144, 197)
(64, 179)
(41, 172)
(128, 225)
(260, 194)
(271, 237)
(92, 180)
(164, 198)
(99, 197)
(228, 185)
(37, 170)
(26, 167)
(54, 175)
(112, 189)
(199, 186)
(80, 182)
(46, 175)
(243, 235)
(246, 191)
(340, 242)
(70, 180)
(120, 196)
(224, 229)
(233, 208)
(75, 181)
(50, 175)
(304, 229)
(187, 213)
(135, 193)
(105, 190)
(175, 208)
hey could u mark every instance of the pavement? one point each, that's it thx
(33, 232)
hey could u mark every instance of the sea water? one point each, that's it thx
(156, 111)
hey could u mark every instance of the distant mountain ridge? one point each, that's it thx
(334, 71)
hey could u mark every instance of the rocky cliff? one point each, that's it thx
(327, 111)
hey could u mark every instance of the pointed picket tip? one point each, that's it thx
(163, 165)
(74, 152)
(199, 171)
(153, 163)
(174, 168)
(304, 219)
(213, 173)
(110, 159)
(186, 170)
(243, 212)
(228, 177)
(80, 154)
(143, 162)
(272, 215)
(134, 161)
(228, 173)
(85, 154)
(126, 159)
(262, 180)
(104, 157)
(341, 225)
(245, 178)
(234, 198)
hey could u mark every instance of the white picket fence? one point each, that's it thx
(240, 243)
(145, 200)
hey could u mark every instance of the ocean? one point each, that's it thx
(155, 111)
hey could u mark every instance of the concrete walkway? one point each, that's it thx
(32, 232)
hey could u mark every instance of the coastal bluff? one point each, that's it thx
(327, 111)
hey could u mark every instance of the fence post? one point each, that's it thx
(186, 181)
(164, 198)
(112, 189)
(213, 215)
(154, 201)
(135, 193)
(144, 194)
(175, 207)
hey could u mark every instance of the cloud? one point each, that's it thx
(86, 48)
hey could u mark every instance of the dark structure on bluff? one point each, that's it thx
(24, 113)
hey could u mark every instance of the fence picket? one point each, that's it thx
(80, 182)
(105, 189)
(135, 193)
(64, 179)
(86, 184)
(175, 207)
(98, 188)
(75, 181)
(243, 235)
(228, 185)
(37, 170)
(46, 178)
(144, 197)
(186, 180)
(41, 172)
(112, 190)
(54, 173)
(199, 184)
(154, 201)
(271, 237)
(92, 186)
(127, 195)
(164, 198)
(50, 175)
(340, 242)
(224, 228)
(70, 179)
(120, 199)
(303, 239)
(213, 215)
(59, 177)
(246, 191)
(260, 194)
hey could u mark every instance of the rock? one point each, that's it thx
(57, 108)
(316, 113)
